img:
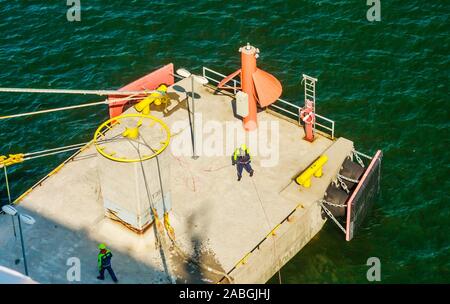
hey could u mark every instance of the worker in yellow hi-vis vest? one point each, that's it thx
(242, 159)
(104, 263)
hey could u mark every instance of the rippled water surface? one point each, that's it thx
(385, 83)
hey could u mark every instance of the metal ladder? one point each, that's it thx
(310, 89)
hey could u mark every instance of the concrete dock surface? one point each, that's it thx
(247, 229)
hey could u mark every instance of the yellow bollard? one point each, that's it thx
(315, 169)
(306, 183)
(156, 97)
(132, 133)
(319, 172)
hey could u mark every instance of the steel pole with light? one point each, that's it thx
(9, 209)
(9, 198)
(201, 80)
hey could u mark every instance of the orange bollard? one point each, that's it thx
(308, 118)
(259, 85)
(248, 58)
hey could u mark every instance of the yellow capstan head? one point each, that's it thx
(162, 88)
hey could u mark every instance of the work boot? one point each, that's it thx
(251, 173)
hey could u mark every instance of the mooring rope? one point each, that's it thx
(75, 146)
(76, 92)
(262, 206)
(188, 259)
(158, 233)
(106, 101)
(63, 149)
(54, 110)
(269, 225)
(52, 153)
(68, 148)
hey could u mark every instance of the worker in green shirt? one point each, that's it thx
(104, 263)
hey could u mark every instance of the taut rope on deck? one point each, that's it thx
(130, 95)
(189, 259)
(158, 230)
(19, 158)
(106, 101)
(76, 92)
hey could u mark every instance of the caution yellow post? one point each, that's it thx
(315, 169)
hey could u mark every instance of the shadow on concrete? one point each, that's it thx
(233, 106)
(178, 88)
(175, 103)
(188, 93)
(191, 272)
(196, 95)
(174, 97)
(49, 245)
(224, 92)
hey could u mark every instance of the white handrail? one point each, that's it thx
(278, 107)
(216, 81)
(331, 128)
(288, 103)
(324, 118)
(283, 109)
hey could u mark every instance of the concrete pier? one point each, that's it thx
(247, 229)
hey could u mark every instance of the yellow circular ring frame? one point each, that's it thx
(113, 121)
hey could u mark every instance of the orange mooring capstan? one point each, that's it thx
(259, 85)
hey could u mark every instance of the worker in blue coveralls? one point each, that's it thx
(104, 263)
(242, 159)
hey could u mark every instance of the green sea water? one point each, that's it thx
(384, 83)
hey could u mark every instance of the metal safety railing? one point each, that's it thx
(214, 80)
(322, 123)
(289, 109)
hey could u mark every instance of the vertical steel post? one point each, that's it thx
(23, 246)
(9, 200)
(190, 126)
(194, 156)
